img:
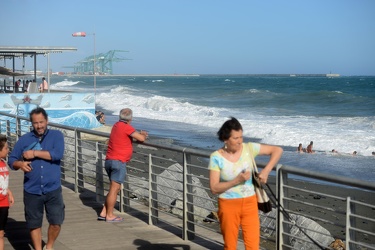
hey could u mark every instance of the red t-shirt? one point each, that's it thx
(4, 181)
(120, 145)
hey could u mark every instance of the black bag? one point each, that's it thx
(264, 202)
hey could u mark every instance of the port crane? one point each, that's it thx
(104, 63)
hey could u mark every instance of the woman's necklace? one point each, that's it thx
(230, 155)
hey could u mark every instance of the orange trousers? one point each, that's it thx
(234, 213)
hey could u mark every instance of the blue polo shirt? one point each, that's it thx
(46, 174)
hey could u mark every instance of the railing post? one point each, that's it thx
(8, 132)
(278, 219)
(347, 229)
(350, 222)
(18, 131)
(76, 161)
(62, 166)
(188, 201)
(123, 199)
(99, 187)
(281, 179)
(81, 176)
(125, 195)
(153, 213)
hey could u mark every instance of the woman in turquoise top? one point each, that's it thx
(230, 178)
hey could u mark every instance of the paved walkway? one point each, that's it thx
(81, 230)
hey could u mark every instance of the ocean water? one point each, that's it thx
(335, 113)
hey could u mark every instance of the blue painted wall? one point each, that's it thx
(68, 108)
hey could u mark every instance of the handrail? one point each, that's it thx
(173, 189)
(334, 179)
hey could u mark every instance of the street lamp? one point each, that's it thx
(83, 34)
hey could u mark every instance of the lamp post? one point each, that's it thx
(83, 34)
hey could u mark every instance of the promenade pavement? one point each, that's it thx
(81, 230)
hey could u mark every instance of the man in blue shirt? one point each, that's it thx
(38, 153)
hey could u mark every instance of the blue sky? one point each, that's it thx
(201, 36)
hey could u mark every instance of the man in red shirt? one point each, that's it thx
(119, 153)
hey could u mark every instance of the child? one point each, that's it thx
(6, 196)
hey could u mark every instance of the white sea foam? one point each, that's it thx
(190, 111)
(65, 83)
(343, 134)
(252, 91)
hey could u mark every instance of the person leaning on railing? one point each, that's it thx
(230, 178)
(119, 153)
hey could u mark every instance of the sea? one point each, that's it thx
(335, 113)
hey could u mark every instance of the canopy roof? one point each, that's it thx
(8, 52)
(11, 52)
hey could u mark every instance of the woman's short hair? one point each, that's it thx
(227, 127)
(126, 115)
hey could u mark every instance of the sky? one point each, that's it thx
(200, 36)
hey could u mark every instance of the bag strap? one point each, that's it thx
(255, 172)
(276, 202)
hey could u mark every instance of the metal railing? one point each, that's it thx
(169, 184)
(345, 206)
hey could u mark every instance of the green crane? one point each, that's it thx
(104, 63)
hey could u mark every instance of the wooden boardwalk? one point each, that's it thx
(81, 230)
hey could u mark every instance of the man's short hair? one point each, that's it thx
(37, 111)
(126, 115)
